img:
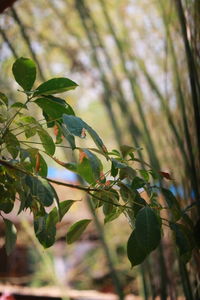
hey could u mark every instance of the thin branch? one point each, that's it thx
(73, 186)
(7, 41)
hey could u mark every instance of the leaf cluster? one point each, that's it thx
(117, 191)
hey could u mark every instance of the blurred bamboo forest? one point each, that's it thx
(137, 66)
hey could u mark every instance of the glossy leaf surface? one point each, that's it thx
(55, 86)
(24, 71)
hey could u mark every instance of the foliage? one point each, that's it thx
(23, 172)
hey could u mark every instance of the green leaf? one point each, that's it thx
(12, 144)
(75, 125)
(76, 230)
(115, 152)
(3, 113)
(85, 171)
(172, 204)
(135, 253)
(32, 154)
(96, 199)
(55, 86)
(127, 172)
(18, 105)
(47, 141)
(7, 191)
(27, 120)
(147, 229)
(137, 183)
(78, 127)
(11, 236)
(30, 131)
(138, 204)
(90, 166)
(114, 170)
(24, 71)
(109, 198)
(113, 215)
(70, 138)
(4, 98)
(53, 108)
(108, 208)
(183, 241)
(117, 164)
(154, 174)
(45, 230)
(144, 174)
(126, 192)
(40, 190)
(125, 150)
(64, 207)
(7, 200)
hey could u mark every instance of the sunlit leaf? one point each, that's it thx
(125, 150)
(18, 105)
(4, 98)
(30, 131)
(24, 71)
(55, 86)
(12, 144)
(64, 207)
(47, 141)
(144, 174)
(115, 213)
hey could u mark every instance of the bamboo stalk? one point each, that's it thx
(185, 281)
(27, 40)
(193, 76)
(135, 88)
(107, 93)
(123, 105)
(114, 275)
(181, 101)
(7, 41)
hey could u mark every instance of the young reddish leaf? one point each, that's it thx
(165, 175)
(37, 162)
(82, 155)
